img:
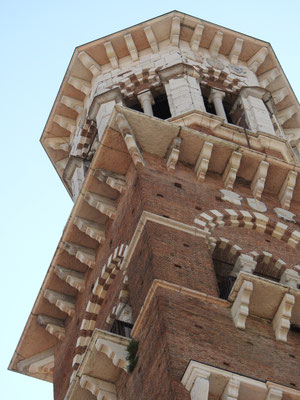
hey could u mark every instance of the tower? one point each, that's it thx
(178, 141)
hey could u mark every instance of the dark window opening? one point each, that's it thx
(161, 107)
(121, 328)
(224, 279)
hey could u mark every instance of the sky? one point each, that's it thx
(38, 40)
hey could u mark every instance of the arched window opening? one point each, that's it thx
(161, 107)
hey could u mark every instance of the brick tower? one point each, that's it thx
(177, 274)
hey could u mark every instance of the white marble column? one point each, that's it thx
(146, 100)
(216, 97)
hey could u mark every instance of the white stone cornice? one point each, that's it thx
(287, 190)
(111, 54)
(268, 77)
(201, 166)
(235, 51)
(89, 63)
(196, 37)
(281, 322)
(103, 204)
(172, 155)
(74, 104)
(102, 390)
(91, 228)
(131, 47)
(58, 143)
(151, 38)
(259, 179)
(229, 175)
(257, 59)
(80, 84)
(72, 277)
(62, 301)
(175, 31)
(66, 123)
(240, 307)
(215, 44)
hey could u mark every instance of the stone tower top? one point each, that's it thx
(167, 67)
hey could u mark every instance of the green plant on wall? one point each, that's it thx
(132, 357)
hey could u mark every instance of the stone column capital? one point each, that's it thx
(216, 94)
(145, 95)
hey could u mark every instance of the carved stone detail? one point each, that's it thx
(258, 182)
(240, 307)
(281, 322)
(287, 189)
(231, 170)
(201, 166)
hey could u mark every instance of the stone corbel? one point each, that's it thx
(131, 47)
(258, 182)
(84, 254)
(229, 175)
(196, 381)
(52, 325)
(103, 204)
(201, 166)
(281, 322)
(58, 143)
(235, 51)
(41, 363)
(115, 352)
(290, 278)
(257, 59)
(151, 38)
(111, 54)
(216, 43)
(268, 77)
(80, 84)
(72, 277)
(89, 63)
(196, 37)
(287, 190)
(175, 31)
(129, 139)
(274, 394)
(231, 391)
(172, 155)
(244, 263)
(240, 307)
(61, 301)
(74, 104)
(91, 228)
(66, 123)
(103, 390)
(287, 113)
(115, 181)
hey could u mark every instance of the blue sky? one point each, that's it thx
(38, 39)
